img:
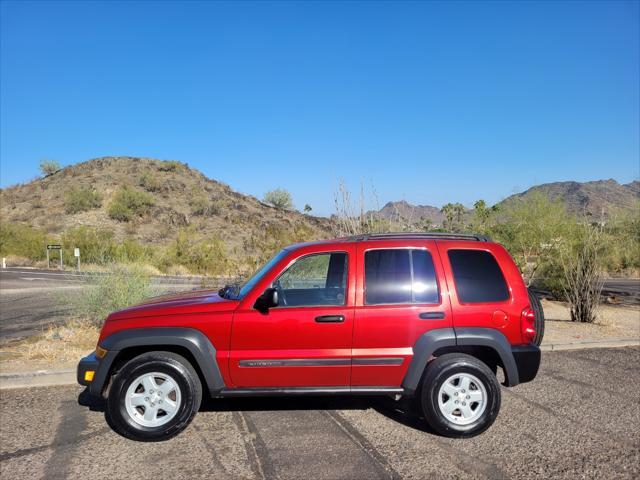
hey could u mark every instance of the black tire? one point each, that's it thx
(539, 322)
(176, 367)
(440, 370)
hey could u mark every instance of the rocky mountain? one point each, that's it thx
(411, 213)
(596, 198)
(165, 197)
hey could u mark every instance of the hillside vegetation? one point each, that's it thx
(171, 217)
(160, 212)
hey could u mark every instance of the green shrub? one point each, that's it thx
(49, 167)
(123, 286)
(279, 198)
(149, 182)
(23, 241)
(80, 199)
(128, 203)
(201, 205)
(96, 246)
(169, 166)
(207, 256)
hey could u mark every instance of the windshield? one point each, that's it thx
(246, 288)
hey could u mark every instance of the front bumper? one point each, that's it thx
(101, 367)
(90, 363)
(527, 358)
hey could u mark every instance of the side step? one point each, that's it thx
(265, 392)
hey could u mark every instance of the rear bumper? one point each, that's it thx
(527, 358)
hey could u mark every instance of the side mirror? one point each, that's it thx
(267, 300)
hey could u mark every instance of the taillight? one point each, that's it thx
(528, 324)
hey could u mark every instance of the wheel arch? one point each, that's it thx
(488, 345)
(188, 342)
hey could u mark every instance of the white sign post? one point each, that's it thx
(76, 253)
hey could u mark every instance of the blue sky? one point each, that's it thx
(430, 102)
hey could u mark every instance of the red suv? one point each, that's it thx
(425, 315)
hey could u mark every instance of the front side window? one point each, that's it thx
(478, 277)
(399, 276)
(319, 279)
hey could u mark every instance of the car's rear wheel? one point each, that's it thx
(153, 397)
(460, 395)
(534, 300)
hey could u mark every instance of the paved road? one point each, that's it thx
(579, 419)
(32, 300)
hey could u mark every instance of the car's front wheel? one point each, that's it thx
(154, 397)
(460, 395)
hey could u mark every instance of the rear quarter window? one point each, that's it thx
(477, 276)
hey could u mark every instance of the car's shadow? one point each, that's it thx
(401, 411)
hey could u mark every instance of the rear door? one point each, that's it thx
(485, 286)
(401, 294)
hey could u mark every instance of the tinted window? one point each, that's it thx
(425, 286)
(389, 277)
(478, 277)
(314, 280)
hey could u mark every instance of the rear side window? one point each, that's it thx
(399, 276)
(478, 277)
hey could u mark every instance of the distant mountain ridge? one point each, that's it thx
(595, 198)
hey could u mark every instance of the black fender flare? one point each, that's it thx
(424, 347)
(435, 339)
(489, 337)
(193, 340)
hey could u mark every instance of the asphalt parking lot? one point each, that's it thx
(579, 419)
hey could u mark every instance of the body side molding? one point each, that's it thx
(193, 340)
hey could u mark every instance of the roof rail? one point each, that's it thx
(419, 236)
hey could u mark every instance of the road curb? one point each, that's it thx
(48, 378)
(41, 378)
(614, 343)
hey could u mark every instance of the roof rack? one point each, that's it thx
(420, 236)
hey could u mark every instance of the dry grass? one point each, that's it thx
(57, 347)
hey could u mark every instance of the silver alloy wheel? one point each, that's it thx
(153, 399)
(462, 399)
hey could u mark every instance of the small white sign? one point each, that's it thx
(76, 252)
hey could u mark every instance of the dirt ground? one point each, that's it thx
(614, 322)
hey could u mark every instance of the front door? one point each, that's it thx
(306, 340)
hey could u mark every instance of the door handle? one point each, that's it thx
(330, 319)
(431, 315)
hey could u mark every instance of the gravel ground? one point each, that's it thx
(579, 419)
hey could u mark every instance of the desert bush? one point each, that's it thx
(279, 198)
(123, 286)
(208, 256)
(96, 245)
(169, 166)
(49, 167)
(621, 238)
(201, 205)
(80, 199)
(533, 230)
(23, 241)
(128, 203)
(149, 182)
(582, 274)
